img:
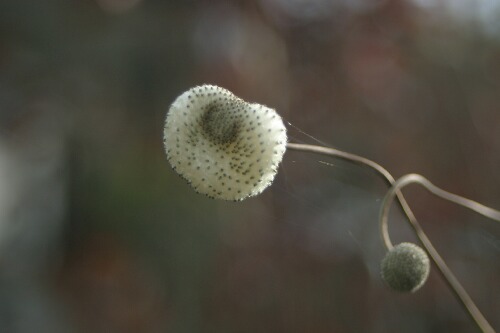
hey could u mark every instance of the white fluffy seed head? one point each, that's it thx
(223, 146)
(405, 267)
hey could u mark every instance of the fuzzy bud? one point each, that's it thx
(405, 267)
(223, 146)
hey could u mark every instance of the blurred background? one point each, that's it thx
(98, 234)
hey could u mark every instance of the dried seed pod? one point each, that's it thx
(405, 267)
(223, 146)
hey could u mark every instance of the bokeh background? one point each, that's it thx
(98, 234)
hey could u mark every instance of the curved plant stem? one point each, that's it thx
(421, 180)
(446, 273)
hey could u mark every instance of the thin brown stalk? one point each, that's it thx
(445, 272)
(421, 180)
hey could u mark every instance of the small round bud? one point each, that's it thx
(405, 267)
(223, 146)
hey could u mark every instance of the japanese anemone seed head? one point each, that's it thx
(223, 146)
(405, 267)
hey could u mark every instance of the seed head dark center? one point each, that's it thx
(220, 124)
